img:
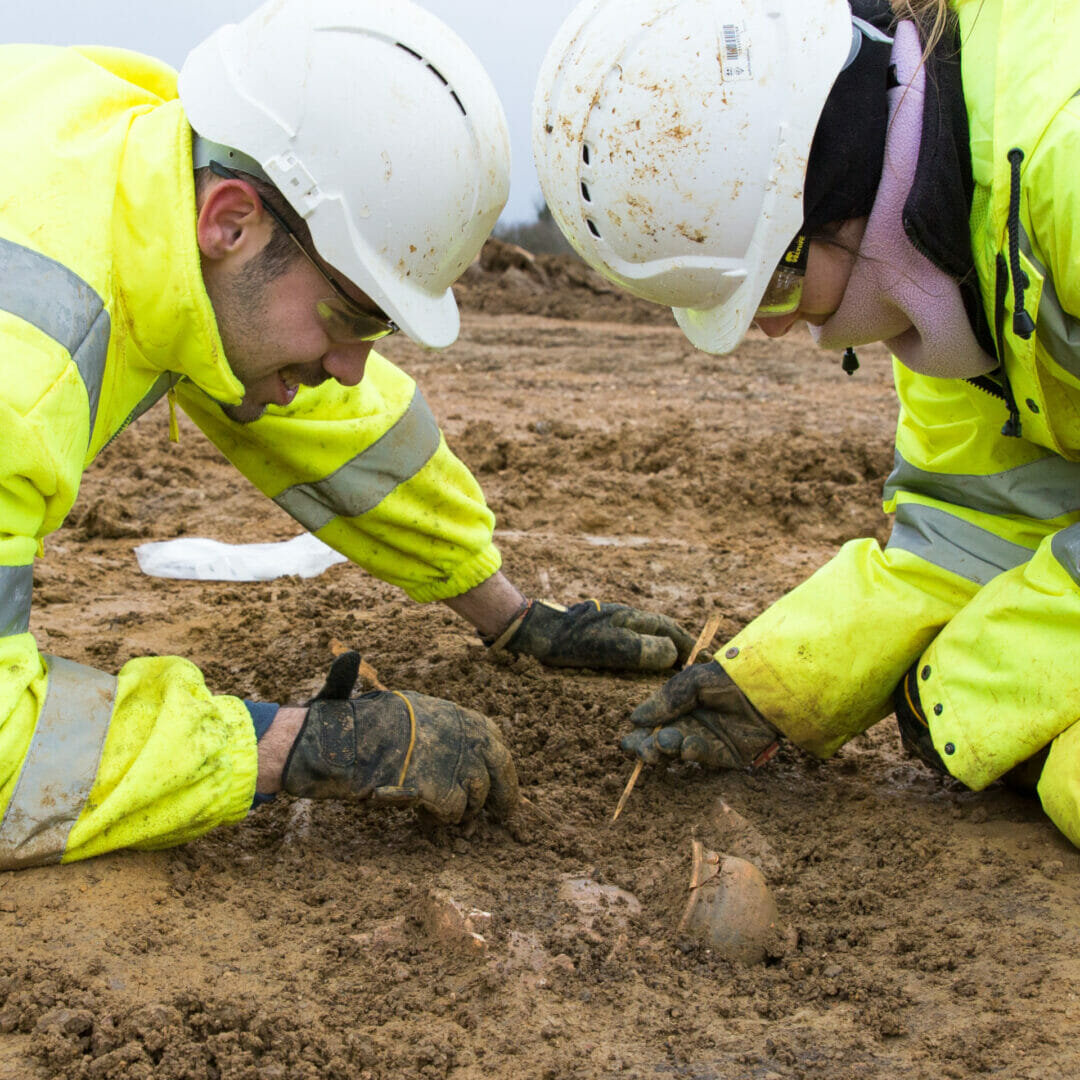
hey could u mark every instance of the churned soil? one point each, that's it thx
(937, 933)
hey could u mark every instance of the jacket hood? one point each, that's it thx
(103, 184)
(165, 305)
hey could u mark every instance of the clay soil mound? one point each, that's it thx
(506, 279)
(936, 928)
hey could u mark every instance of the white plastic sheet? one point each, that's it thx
(198, 559)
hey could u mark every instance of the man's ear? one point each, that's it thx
(232, 222)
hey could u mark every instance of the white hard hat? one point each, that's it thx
(381, 129)
(672, 139)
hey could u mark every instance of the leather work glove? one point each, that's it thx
(399, 749)
(703, 716)
(595, 635)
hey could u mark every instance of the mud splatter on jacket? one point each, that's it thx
(980, 580)
(102, 311)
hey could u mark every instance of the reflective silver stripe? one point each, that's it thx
(1066, 549)
(61, 764)
(1041, 489)
(16, 585)
(1058, 331)
(954, 544)
(162, 385)
(362, 483)
(59, 303)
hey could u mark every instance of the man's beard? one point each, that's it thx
(244, 413)
(240, 301)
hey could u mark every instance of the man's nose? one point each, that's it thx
(346, 363)
(777, 325)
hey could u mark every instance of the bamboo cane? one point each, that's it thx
(708, 632)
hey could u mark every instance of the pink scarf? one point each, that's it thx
(895, 294)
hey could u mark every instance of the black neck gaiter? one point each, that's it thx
(846, 155)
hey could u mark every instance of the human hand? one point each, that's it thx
(397, 748)
(591, 634)
(702, 716)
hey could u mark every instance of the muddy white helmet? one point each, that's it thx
(382, 130)
(672, 138)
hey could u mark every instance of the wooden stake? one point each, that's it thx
(708, 632)
(370, 676)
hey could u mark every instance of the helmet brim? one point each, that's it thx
(719, 330)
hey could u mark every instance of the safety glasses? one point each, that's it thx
(784, 291)
(345, 321)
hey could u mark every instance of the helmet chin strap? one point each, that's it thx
(860, 29)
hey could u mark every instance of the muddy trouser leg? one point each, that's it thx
(262, 716)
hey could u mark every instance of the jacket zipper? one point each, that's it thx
(1011, 428)
(1023, 324)
(988, 383)
(141, 408)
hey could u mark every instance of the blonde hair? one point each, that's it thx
(933, 16)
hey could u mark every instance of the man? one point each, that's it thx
(317, 179)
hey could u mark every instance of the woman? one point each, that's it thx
(905, 174)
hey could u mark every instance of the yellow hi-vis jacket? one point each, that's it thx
(102, 311)
(980, 580)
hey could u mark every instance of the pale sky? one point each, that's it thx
(509, 36)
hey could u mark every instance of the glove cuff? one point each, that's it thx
(501, 640)
(759, 739)
(348, 749)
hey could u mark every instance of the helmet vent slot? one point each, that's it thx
(437, 73)
(585, 192)
(585, 153)
(592, 227)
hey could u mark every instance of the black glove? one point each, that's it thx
(399, 749)
(596, 635)
(703, 716)
(910, 718)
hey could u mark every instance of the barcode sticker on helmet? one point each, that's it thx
(735, 52)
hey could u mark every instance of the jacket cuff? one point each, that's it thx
(782, 704)
(262, 715)
(467, 575)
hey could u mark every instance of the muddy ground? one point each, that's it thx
(937, 929)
